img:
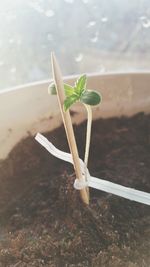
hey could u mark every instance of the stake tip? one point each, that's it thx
(53, 57)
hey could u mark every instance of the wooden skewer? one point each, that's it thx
(67, 124)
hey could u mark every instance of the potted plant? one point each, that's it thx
(43, 220)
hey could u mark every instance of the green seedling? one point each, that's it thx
(80, 93)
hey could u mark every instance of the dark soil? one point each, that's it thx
(43, 221)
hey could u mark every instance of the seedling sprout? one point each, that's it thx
(80, 93)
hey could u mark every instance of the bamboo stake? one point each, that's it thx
(67, 124)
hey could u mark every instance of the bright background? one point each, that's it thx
(86, 35)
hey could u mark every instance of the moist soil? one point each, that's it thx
(43, 222)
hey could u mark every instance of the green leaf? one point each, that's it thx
(52, 89)
(69, 90)
(90, 97)
(80, 84)
(69, 101)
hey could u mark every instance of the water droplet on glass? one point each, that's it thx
(69, 1)
(11, 40)
(102, 68)
(145, 22)
(94, 39)
(91, 24)
(1, 63)
(36, 7)
(79, 57)
(49, 37)
(104, 19)
(13, 70)
(49, 13)
(95, 7)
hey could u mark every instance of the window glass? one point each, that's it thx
(86, 35)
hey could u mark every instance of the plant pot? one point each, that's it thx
(28, 108)
(43, 220)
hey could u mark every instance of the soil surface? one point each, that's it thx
(42, 219)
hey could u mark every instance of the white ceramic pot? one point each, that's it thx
(29, 109)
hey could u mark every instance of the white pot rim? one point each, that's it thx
(28, 108)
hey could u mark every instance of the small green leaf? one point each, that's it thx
(90, 97)
(69, 90)
(69, 101)
(80, 84)
(52, 89)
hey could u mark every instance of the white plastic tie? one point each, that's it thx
(94, 182)
(79, 184)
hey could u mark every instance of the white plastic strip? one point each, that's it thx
(55, 151)
(120, 190)
(94, 182)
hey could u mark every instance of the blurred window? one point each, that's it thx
(86, 35)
